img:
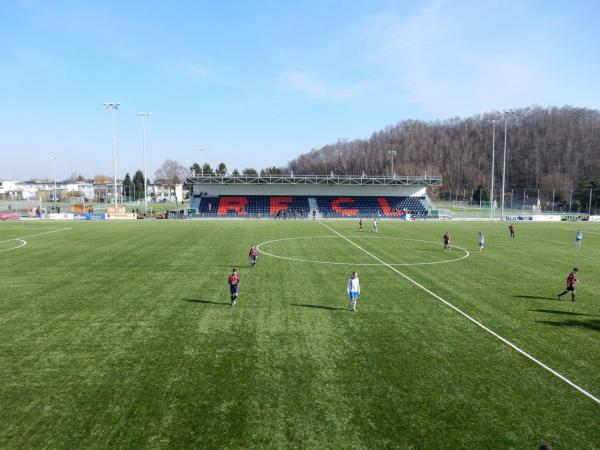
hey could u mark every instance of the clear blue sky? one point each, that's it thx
(260, 82)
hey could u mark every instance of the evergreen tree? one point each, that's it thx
(480, 195)
(221, 169)
(583, 197)
(127, 186)
(271, 171)
(196, 169)
(138, 184)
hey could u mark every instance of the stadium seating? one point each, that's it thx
(371, 206)
(298, 206)
(253, 205)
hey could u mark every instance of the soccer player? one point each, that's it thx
(446, 241)
(353, 289)
(571, 281)
(252, 255)
(578, 238)
(374, 228)
(511, 228)
(360, 224)
(234, 281)
(481, 242)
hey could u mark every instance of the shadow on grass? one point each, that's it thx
(208, 302)
(330, 308)
(588, 324)
(243, 265)
(535, 297)
(555, 311)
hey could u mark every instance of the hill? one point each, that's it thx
(547, 148)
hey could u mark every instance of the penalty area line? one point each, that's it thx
(468, 317)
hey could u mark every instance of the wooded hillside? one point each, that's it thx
(547, 148)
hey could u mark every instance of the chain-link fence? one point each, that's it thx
(520, 201)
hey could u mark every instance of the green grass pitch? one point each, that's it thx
(120, 335)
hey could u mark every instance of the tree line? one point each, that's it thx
(547, 148)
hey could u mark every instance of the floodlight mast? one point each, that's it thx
(53, 158)
(493, 169)
(507, 113)
(392, 153)
(143, 116)
(201, 150)
(113, 106)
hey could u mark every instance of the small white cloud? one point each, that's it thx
(199, 71)
(316, 89)
(438, 65)
(206, 74)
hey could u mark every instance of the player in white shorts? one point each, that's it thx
(353, 289)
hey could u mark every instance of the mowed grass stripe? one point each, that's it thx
(472, 319)
(141, 349)
(511, 287)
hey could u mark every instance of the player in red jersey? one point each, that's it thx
(571, 281)
(234, 281)
(446, 241)
(252, 255)
(511, 228)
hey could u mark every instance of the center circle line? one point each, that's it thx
(258, 247)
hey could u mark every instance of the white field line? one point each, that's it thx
(259, 248)
(24, 242)
(476, 322)
(37, 234)
(583, 231)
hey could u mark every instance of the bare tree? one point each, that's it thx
(171, 173)
(553, 148)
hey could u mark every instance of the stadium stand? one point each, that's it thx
(298, 206)
(253, 205)
(371, 206)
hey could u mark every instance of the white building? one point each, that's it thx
(9, 189)
(165, 193)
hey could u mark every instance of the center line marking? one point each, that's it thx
(475, 321)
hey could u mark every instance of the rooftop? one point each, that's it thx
(316, 179)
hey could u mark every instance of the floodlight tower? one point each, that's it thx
(507, 113)
(493, 169)
(201, 150)
(53, 158)
(392, 153)
(143, 116)
(113, 106)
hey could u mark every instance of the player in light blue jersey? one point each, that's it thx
(578, 237)
(353, 289)
(481, 242)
